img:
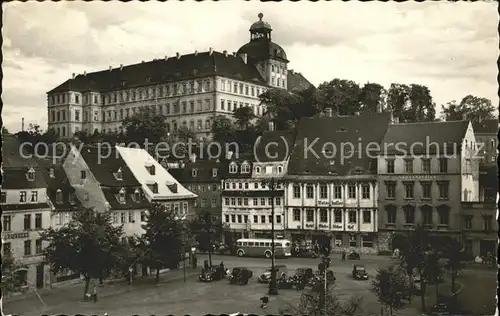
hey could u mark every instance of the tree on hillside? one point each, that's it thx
(162, 242)
(89, 245)
(280, 106)
(342, 96)
(244, 117)
(411, 103)
(145, 124)
(475, 108)
(372, 98)
(223, 130)
(390, 287)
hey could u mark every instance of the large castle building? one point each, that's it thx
(190, 90)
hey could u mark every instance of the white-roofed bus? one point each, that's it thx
(263, 247)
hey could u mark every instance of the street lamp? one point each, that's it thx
(272, 183)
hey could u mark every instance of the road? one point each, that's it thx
(173, 296)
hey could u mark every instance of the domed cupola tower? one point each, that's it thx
(268, 57)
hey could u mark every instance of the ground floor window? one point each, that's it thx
(338, 240)
(367, 240)
(352, 241)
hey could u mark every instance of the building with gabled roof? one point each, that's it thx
(190, 90)
(25, 213)
(103, 181)
(331, 191)
(158, 185)
(425, 171)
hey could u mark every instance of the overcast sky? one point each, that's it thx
(450, 47)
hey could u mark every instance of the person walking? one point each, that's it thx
(343, 254)
(94, 294)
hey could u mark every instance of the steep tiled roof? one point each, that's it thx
(262, 49)
(173, 69)
(296, 81)
(13, 155)
(447, 135)
(104, 163)
(57, 180)
(130, 203)
(204, 171)
(486, 127)
(274, 146)
(16, 179)
(335, 135)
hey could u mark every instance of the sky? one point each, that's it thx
(450, 47)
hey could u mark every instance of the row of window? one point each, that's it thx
(205, 202)
(246, 185)
(425, 189)
(28, 221)
(255, 201)
(240, 88)
(337, 216)
(426, 165)
(426, 212)
(214, 187)
(337, 191)
(28, 245)
(233, 106)
(487, 223)
(245, 168)
(257, 219)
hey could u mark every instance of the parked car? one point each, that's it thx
(353, 256)
(240, 276)
(266, 276)
(212, 274)
(359, 272)
(306, 273)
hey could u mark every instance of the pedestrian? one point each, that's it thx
(94, 294)
(343, 254)
(264, 301)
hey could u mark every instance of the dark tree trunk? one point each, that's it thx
(423, 288)
(157, 275)
(87, 285)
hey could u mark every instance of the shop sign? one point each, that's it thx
(337, 226)
(16, 235)
(418, 177)
(350, 226)
(323, 226)
(309, 225)
(323, 203)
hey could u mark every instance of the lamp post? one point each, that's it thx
(273, 288)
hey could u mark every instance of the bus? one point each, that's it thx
(262, 247)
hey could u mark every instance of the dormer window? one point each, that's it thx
(137, 195)
(245, 167)
(31, 174)
(172, 187)
(153, 187)
(59, 196)
(233, 167)
(119, 174)
(52, 173)
(258, 169)
(280, 169)
(121, 195)
(215, 171)
(194, 173)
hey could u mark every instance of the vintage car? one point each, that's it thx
(306, 273)
(212, 274)
(359, 272)
(240, 276)
(266, 276)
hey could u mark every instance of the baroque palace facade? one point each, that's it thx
(190, 90)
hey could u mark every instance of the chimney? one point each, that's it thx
(166, 57)
(85, 73)
(225, 53)
(196, 52)
(73, 76)
(192, 158)
(22, 124)
(121, 66)
(178, 55)
(210, 51)
(244, 57)
(271, 126)
(110, 68)
(234, 54)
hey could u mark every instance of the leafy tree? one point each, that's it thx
(432, 271)
(475, 108)
(206, 232)
(162, 241)
(184, 134)
(411, 103)
(244, 116)
(282, 107)
(223, 129)
(372, 98)
(390, 287)
(89, 245)
(343, 96)
(310, 304)
(10, 282)
(145, 124)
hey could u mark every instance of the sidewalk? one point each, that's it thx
(74, 291)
